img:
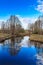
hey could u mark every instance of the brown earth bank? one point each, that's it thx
(36, 37)
(5, 36)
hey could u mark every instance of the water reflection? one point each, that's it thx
(14, 46)
(21, 51)
(39, 55)
(39, 47)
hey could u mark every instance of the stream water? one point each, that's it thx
(21, 51)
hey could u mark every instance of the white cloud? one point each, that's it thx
(40, 1)
(4, 19)
(26, 20)
(1, 22)
(39, 6)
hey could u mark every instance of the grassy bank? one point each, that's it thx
(36, 37)
(4, 36)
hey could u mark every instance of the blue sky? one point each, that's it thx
(22, 8)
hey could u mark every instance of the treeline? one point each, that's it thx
(37, 27)
(12, 25)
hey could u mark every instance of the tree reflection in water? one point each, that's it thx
(39, 49)
(38, 46)
(14, 45)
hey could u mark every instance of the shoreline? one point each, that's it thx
(4, 37)
(33, 37)
(36, 38)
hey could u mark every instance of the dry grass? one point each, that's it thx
(3, 35)
(36, 37)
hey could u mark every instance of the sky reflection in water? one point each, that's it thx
(18, 53)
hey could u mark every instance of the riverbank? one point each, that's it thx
(36, 37)
(6, 36)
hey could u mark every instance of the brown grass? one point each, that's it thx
(36, 37)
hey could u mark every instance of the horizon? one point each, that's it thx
(26, 10)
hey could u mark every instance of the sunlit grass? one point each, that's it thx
(36, 37)
(4, 35)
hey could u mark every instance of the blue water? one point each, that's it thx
(19, 53)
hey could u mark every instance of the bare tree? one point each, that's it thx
(3, 26)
